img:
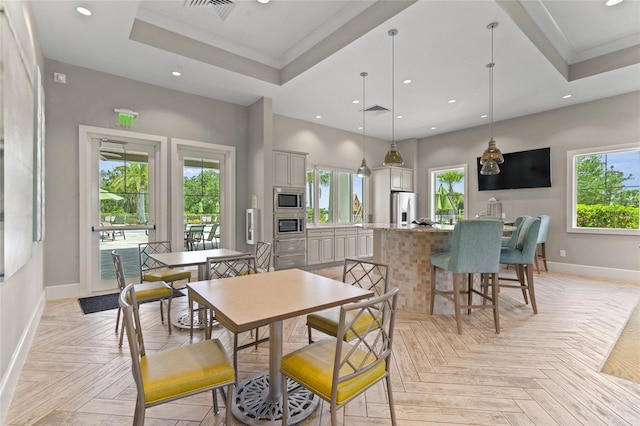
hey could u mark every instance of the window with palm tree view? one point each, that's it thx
(448, 195)
(334, 197)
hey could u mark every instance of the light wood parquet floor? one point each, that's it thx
(541, 370)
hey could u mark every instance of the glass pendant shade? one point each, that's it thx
(364, 170)
(490, 159)
(393, 157)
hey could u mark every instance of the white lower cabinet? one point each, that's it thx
(320, 246)
(336, 244)
(346, 241)
(365, 243)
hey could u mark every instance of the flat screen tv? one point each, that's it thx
(524, 169)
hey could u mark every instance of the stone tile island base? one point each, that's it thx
(407, 251)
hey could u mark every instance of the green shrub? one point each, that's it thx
(602, 216)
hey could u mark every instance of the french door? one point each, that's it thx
(119, 200)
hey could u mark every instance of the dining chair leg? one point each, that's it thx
(161, 312)
(521, 278)
(456, 300)
(191, 317)
(543, 250)
(529, 271)
(169, 312)
(392, 408)
(433, 289)
(285, 406)
(469, 293)
(494, 295)
(118, 318)
(216, 409)
(309, 333)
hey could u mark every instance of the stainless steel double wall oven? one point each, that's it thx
(289, 228)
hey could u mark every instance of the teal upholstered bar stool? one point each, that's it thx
(523, 256)
(541, 249)
(510, 240)
(475, 248)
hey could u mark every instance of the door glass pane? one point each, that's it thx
(123, 200)
(325, 201)
(358, 199)
(344, 197)
(201, 202)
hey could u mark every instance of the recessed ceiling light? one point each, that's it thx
(612, 2)
(83, 11)
(263, 1)
(483, 116)
(398, 116)
(433, 128)
(355, 101)
(452, 101)
(566, 96)
(318, 116)
(360, 128)
(176, 73)
(407, 81)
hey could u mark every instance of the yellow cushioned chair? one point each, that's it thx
(225, 267)
(338, 371)
(150, 270)
(175, 373)
(146, 292)
(367, 275)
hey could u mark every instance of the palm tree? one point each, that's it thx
(133, 179)
(451, 177)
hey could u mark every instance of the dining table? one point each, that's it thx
(184, 259)
(246, 302)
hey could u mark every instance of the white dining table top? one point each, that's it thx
(249, 301)
(191, 258)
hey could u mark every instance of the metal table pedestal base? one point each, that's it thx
(184, 321)
(253, 406)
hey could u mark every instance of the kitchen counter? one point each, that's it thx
(407, 250)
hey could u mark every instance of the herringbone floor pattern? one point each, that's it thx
(541, 370)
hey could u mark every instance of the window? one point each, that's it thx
(334, 197)
(448, 194)
(605, 186)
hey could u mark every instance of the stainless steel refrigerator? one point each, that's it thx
(404, 207)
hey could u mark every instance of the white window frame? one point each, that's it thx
(432, 188)
(227, 157)
(571, 189)
(334, 194)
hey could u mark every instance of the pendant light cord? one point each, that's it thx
(491, 65)
(393, 95)
(364, 106)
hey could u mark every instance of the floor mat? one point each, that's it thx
(624, 359)
(105, 302)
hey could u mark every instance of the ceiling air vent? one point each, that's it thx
(376, 110)
(222, 7)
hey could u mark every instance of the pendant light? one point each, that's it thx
(393, 157)
(363, 170)
(492, 156)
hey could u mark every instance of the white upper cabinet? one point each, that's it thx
(289, 169)
(394, 179)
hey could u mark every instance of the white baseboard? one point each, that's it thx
(14, 369)
(595, 271)
(63, 291)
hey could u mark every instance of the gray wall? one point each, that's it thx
(610, 121)
(21, 295)
(89, 98)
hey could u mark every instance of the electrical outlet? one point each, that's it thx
(563, 253)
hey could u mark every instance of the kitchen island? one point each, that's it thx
(407, 250)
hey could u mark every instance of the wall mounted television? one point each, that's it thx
(523, 169)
